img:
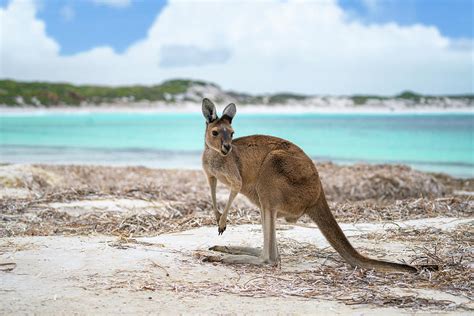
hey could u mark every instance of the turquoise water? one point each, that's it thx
(434, 142)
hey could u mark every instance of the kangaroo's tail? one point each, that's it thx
(322, 216)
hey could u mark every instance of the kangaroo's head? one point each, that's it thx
(219, 131)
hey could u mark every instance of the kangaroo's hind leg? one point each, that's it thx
(255, 256)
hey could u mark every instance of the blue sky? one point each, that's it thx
(90, 25)
(314, 47)
(452, 17)
(79, 25)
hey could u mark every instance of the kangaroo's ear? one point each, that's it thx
(229, 112)
(209, 110)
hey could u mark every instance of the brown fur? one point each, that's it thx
(279, 178)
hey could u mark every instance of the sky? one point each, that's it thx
(313, 47)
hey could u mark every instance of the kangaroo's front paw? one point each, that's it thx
(222, 225)
(221, 229)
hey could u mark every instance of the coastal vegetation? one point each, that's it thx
(50, 94)
(17, 93)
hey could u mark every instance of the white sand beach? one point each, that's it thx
(87, 239)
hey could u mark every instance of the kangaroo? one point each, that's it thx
(280, 179)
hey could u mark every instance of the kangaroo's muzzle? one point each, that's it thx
(225, 149)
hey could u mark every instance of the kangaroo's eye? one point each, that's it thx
(215, 133)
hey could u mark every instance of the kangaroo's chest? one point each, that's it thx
(222, 168)
(221, 176)
(212, 164)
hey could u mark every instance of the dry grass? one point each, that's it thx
(35, 218)
(331, 278)
(312, 273)
(356, 193)
(359, 193)
(380, 182)
(341, 183)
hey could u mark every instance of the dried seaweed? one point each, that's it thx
(341, 183)
(359, 193)
(328, 277)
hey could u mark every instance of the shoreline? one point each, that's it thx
(191, 108)
(187, 160)
(196, 165)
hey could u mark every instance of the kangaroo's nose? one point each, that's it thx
(226, 147)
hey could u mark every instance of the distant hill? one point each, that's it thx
(16, 93)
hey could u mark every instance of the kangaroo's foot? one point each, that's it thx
(236, 250)
(240, 259)
(240, 255)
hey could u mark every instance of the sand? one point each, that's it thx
(317, 105)
(84, 239)
(94, 274)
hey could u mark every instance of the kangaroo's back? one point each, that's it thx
(252, 150)
(256, 168)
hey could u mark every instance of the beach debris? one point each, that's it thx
(382, 182)
(357, 194)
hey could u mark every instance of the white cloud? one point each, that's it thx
(114, 3)
(310, 47)
(186, 55)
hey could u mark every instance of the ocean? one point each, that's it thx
(430, 142)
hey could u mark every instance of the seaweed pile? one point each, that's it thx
(358, 193)
(355, 193)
